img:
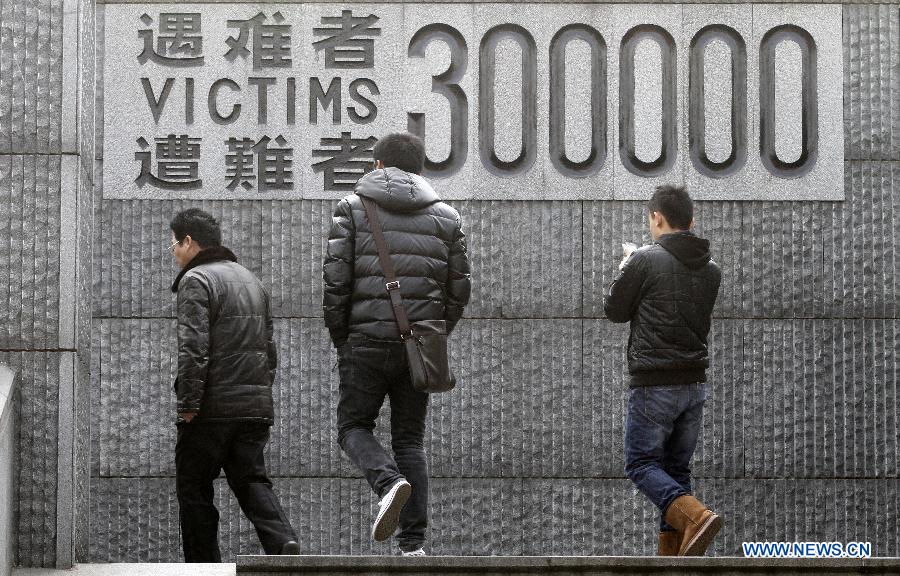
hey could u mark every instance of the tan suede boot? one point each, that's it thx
(695, 522)
(669, 542)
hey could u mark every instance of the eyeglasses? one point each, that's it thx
(174, 244)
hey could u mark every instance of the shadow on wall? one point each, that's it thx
(7, 468)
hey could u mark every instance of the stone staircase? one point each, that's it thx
(557, 565)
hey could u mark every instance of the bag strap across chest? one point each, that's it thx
(387, 266)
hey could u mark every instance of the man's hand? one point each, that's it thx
(187, 416)
(627, 249)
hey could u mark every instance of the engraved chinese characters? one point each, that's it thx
(254, 56)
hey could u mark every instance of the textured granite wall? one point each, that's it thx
(801, 435)
(46, 175)
(9, 401)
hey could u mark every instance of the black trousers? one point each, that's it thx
(371, 371)
(202, 451)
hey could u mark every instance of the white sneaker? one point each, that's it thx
(390, 506)
(416, 552)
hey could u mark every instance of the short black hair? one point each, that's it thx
(674, 203)
(401, 150)
(199, 225)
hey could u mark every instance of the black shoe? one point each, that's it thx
(290, 549)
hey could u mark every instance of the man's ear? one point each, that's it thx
(691, 225)
(187, 241)
(379, 164)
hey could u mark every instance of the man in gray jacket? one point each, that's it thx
(428, 250)
(226, 367)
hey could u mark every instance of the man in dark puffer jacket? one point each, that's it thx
(667, 291)
(226, 367)
(428, 250)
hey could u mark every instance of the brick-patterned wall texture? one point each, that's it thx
(801, 436)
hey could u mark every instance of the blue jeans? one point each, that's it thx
(661, 429)
(371, 370)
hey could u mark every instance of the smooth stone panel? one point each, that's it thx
(578, 100)
(630, 186)
(414, 85)
(821, 181)
(421, 96)
(648, 86)
(788, 103)
(717, 79)
(720, 68)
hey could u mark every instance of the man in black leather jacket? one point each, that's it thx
(428, 250)
(667, 291)
(226, 367)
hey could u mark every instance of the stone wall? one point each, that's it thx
(801, 433)
(8, 460)
(46, 214)
(800, 438)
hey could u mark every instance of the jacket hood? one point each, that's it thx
(396, 190)
(689, 249)
(214, 254)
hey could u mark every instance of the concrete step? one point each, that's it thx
(132, 569)
(558, 565)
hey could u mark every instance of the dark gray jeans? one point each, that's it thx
(371, 370)
(202, 450)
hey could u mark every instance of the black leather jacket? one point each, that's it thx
(667, 290)
(226, 351)
(428, 248)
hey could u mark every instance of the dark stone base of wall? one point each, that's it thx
(558, 565)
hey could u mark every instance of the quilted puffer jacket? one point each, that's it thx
(226, 351)
(428, 250)
(667, 290)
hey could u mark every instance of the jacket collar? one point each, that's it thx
(214, 254)
(396, 190)
(689, 249)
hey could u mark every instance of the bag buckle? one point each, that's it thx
(395, 285)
